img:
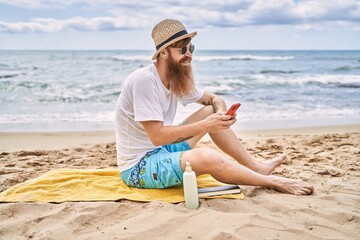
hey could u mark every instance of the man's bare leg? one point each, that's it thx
(209, 161)
(228, 142)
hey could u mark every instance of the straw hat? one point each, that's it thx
(167, 32)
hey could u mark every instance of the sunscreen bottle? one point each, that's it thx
(190, 188)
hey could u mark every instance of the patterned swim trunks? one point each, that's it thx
(159, 168)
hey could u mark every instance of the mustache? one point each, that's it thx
(185, 59)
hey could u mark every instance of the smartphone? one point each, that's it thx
(233, 108)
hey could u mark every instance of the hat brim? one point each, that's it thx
(189, 35)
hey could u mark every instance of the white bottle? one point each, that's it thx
(190, 188)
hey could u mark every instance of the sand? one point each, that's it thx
(327, 157)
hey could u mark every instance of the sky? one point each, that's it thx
(220, 24)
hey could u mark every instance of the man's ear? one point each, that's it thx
(163, 54)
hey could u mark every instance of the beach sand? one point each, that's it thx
(327, 157)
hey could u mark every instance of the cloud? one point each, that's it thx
(48, 25)
(303, 14)
(35, 4)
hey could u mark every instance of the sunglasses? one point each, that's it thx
(184, 49)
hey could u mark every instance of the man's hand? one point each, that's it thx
(218, 121)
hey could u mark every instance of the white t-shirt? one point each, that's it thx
(143, 98)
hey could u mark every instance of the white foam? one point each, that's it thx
(99, 117)
(241, 57)
(219, 88)
(132, 57)
(303, 79)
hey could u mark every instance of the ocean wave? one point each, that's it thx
(98, 117)
(241, 58)
(131, 58)
(222, 89)
(224, 85)
(8, 75)
(346, 69)
(278, 72)
(349, 85)
(52, 92)
(11, 73)
(232, 86)
(72, 96)
(324, 79)
(3, 65)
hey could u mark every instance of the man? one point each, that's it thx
(152, 153)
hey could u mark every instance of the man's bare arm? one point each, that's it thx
(211, 99)
(162, 135)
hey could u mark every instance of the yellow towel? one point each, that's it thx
(63, 185)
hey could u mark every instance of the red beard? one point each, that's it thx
(180, 77)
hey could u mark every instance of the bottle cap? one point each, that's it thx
(188, 167)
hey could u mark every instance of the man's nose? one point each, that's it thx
(188, 53)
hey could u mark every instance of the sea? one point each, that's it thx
(77, 90)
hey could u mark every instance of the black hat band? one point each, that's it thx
(176, 35)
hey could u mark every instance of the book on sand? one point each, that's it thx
(222, 190)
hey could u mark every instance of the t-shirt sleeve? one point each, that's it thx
(198, 93)
(147, 106)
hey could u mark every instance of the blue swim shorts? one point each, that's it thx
(159, 168)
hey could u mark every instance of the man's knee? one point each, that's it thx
(210, 158)
(208, 109)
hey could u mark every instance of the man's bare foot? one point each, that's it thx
(291, 186)
(266, 167)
